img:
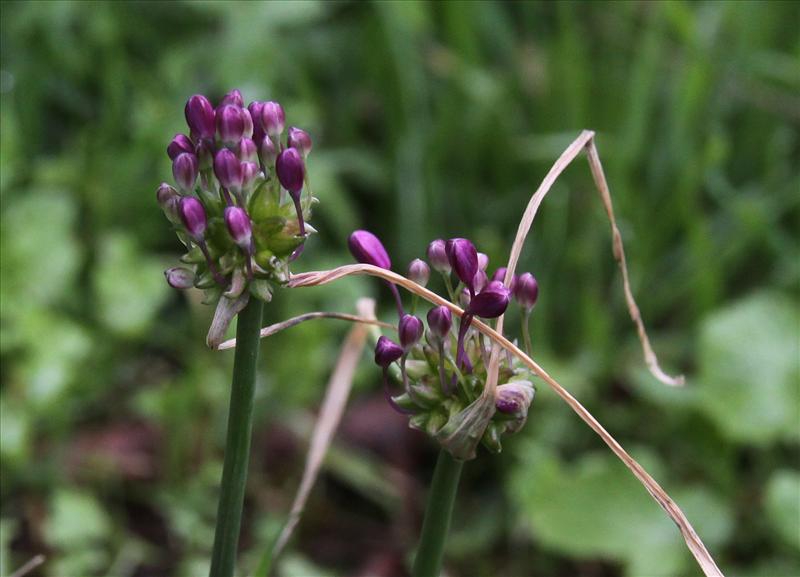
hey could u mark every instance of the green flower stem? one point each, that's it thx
(237, 446)
(526, 335)
(442, 497)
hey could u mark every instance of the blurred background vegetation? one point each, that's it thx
(429, 120)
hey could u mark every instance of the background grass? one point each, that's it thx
(429, 120)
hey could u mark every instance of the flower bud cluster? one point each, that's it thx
(240, 200)
(442, 368)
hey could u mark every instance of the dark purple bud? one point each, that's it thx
(387, 352)
(179, 278)
(273, 118)
(299, 139)
(500, 275)
(291, 170)
(419, 272)
(228, 169)
(200, 116)
(464, 260)
(255, 109)
(181, 143)
(268, 151)
(247, 151)
(526, 291)
(480, 280)
(440, 319)
(230, 123)
(366, 248)
(491, 302)
(193, 216)
(437, 256)
(184, 169)
(168, 200)
(409, 329)
(233, 97)
(250, 171)
(239, 228)
(483, 261)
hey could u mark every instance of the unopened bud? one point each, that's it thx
(500, 275)
(193, 216)
(387, 352)
(180, 143)
(273, 118)
(239, 227)
(514, 398)
(526, 291)
(291, 170)
(483, 261)
(255, 109)
(440, 319)
(184, 169)
(464, 260)
(409, 329)
(234, 97)
(437, 256)
(419, 272)
(168, 199)
(367, 248)
(228, 169)
(230, 123)
(247, 151)
(179, 278)
(299, 139)
(268, 151)
(250, 171)
(200, 116)
(480, 280)
(491, 302)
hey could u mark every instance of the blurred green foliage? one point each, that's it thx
(429, 120)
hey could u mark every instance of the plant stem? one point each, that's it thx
(237, 446)
(442, 497)
(526, 335)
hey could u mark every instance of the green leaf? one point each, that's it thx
(749, 381)
(783, 505)
(130, 286)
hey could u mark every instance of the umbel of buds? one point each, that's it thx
(240, 202)
(443, 376)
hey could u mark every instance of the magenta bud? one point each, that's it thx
(273, 118)
(230, 123)
(255, 109)
(483, 261)
(480, 280)
(440, 319)
(247, 151)
(409, 329)
(291, 170)
(464, 260)
(366, 248)
(387, 352)
(233, 97)
(500, 275)
(250, 171)
(419, 272)
(526, 291)
(179, 278)
(228, 169)
(239, 227)
(437, 256)
(193, 216)
(200, 116)
(299, 139)
(184, 169)
(491, 302)
(181, 143)
(268, 151)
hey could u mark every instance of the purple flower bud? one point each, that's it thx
(514, 398)
(366, 248)
(483, 261)
(268, 151)
(168, 200)
(291, 170)
(419, 272)
(200, 116)
(250, 171)
(193, 216)
(179, 278)
(387, 352)
(230, 123)
(500, 275)
(181, 143)
(184, 169)
(299, 139)
(247, 151)
(491, 302)
(248, 123)
(437, 256)
(440, 319)
(480, 280)
(410, 329)
(464, 260)
(273, 118)
(239, 227)
(255, 109)
(228, 169)
(233, 97)
(526, 291)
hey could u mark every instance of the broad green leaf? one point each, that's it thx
(749, 382)
(783, 505)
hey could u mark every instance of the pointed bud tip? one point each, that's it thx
(367, 248)
(387, 352)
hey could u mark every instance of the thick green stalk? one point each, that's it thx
(436, 525)
(237, 446)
